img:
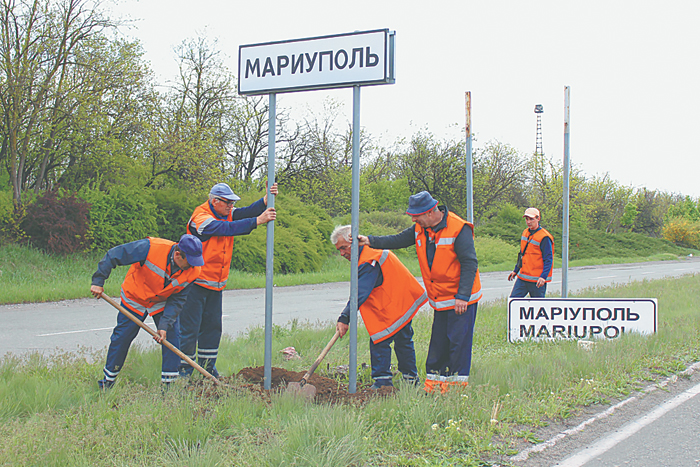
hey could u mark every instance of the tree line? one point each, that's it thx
(84, 119)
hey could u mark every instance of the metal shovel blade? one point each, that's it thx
(309, 390)
(304, 390)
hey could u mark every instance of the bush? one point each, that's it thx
(382, 223)
(682, 232)
(175, 210)
(507, 225)
(493, 251)
(385, 195)
(122, 214)
(10, 220)
(57, 225)
(302, 233)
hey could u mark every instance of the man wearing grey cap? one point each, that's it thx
(533, 268)
(447, 257)
(161, 275)
(215, 223)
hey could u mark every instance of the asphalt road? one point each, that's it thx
(656, 426)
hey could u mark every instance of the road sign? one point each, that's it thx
(580, 318)
(342, 60)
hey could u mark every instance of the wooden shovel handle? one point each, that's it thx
(319, 359)
(167, 344)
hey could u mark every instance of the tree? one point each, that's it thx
(651, 209)
(436, 166)
(499, 178)
(191, 132)
(604, 202)
(39, 45)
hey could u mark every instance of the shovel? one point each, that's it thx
(309, 390)
(167, 344)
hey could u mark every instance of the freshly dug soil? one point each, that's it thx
(328, 391)
(249, 382)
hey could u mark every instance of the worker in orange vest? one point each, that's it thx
(447, 257)
(161, 275)
(215, 222)
(388, 298)
(533, 268)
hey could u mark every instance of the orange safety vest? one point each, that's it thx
(532, 259)
(216, 251)
(394, 303)
(143, 290)
(442, 280)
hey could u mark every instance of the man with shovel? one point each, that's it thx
(445, 247)
(388, 297)
(215, 223)
(161, 274)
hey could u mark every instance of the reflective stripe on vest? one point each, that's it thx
(391, 330)
(211, 284)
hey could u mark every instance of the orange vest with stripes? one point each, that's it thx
(216, 251)
(143, 290)
(394, 303)
(442, 280)
(532, 259)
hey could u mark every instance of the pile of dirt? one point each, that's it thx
(328, 391)
(250, 381)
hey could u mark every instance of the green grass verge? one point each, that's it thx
(28, 275)
(52, 413)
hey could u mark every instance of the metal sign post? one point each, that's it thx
(469, 162)
(270, 251)
(355, 230)
(565, 210)
(356, 59)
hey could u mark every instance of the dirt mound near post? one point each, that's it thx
(328, 391)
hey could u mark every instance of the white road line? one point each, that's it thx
(73, 332)
(604, 277)
(628, 430)
(649, 272)
(523, 455)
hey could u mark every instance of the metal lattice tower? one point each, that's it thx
(539, 110)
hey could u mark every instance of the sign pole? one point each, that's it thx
(270, 254)
(355, 230)
(565, 210)
(469, 162)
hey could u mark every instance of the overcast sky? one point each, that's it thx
(633, 68)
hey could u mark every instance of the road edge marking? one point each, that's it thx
(525, 454)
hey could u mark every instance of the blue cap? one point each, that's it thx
(222, 190)
(192, 248)
(420, 203)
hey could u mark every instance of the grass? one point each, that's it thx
(28, 275)
(52, 414)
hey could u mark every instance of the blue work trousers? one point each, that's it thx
(521, 288)
(124, 333)
(380, 355)
(200, 329)
(450, 350)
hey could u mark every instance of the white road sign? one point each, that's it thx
(343, 60)
(580, 318)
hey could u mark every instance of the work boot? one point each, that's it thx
(105, 384)
(383, 383)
